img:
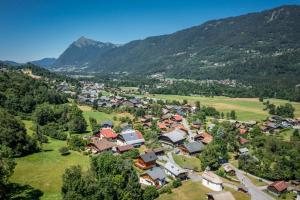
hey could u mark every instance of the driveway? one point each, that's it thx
(254, 191)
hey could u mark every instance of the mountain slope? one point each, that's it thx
(45, 62)
(82, 52)
(214, 44)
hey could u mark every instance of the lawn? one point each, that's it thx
(246, 108)
(100, 116)
(44, 170)
(287, 195)
(256, 182)
(196, 191)
(187, 162)
(28, 125)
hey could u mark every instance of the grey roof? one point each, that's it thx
(193, 147)
(148, 157)
(243, 150)
(107, 123)
(131, 137)
(156, 173)
(174, 169)
(175, 135)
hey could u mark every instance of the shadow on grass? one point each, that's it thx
(17, 191)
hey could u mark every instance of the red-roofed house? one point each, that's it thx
(243, 140)
(177, 118)
(243, 131)
(205, 138)
(108, 133)
(162, 126)
(278, 187)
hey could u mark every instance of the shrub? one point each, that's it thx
(176, 183)
(64, 151)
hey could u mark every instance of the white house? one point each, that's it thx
(212, 181)
(175, 171)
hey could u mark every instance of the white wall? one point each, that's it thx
(213, 186)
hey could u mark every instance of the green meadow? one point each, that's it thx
(44, 170)
(246, 108)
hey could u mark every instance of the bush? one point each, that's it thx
(150, 193)
(165, 189)
(176, 183)
(64, 151)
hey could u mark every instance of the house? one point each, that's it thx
(124, 148)
(175, 171)
(196, 124)
(162, 126)
(243, 151)
(146, 161)
(212, 181)
(108, 133)
(154, 177)
(130, 136)
(173, 138)
(97, 145)
(229, 170)
(243, 131)
(192, 147)
(177, 118)
(243, 140)
(158, 151)
(107, 124)
(221, 195)
(204, 137)
(278, 187)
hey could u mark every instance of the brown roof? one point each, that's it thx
(103, 144)
(279, 185)
(204, 137)
(125, 148)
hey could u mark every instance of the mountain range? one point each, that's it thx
(225, 47)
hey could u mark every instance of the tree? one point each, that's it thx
(198, 105)
(7, 164)
(211, 154)
(76, 143)
(150, 193)
(44, 114)
(13, 135)
(233, 115)
(184, 102)
(176, 183)
(64, 151)
(110, 177)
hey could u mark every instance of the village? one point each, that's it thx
(178, 135)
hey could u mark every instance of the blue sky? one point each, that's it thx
(33, 29)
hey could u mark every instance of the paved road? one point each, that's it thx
(254, 191)
(190, 132)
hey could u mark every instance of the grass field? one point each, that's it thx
(196, 191)
(186, 162)
(255, 181)
(44, 170)
(100, 116)
(246, 108)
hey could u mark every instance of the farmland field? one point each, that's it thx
(246, 108)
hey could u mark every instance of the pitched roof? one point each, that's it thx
(103, 144)
(125, 147)
(212, 177)
(174, 169)
(205, 137)
(108, 133)
(148, 157)
(177, 117)
(156, 173)
(279, 185)
(243, 131)
(193, 147)
(243, 150)
(132, 136)
(221, 195)
(243, 140)
(175, 135)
